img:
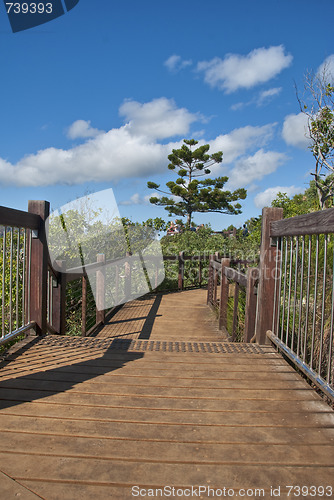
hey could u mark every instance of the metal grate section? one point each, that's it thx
(136, 345)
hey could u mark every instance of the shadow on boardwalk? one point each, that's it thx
(90, 418)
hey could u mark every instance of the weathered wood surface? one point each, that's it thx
(251, 300)
(84, 418)
(173, 315)
(236, 276)
(39, 268)
(267, 271)
(18, 218)
(321, 222)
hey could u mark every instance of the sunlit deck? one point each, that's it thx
(157, 399)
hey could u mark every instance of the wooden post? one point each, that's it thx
(156, 275)
(210, 281)
(181, 271)
(267, 270)
(224, 286)
(39, 268)
(235, 311)
(215, 284)
(200, 272)
(84, 306)
(59, 300)
(117, 284)
(100, 289)
(250, 309)
(127, 284)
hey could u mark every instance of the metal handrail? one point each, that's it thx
(15, 277)
(303, 313)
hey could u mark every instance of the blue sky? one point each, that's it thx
(98, 98)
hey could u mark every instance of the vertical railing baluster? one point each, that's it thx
(11, 281)
(24, 270)
(295, 294)
(3, 309)
(289, 293)
(17, 281)
(323, 306)
(29, 276)
(315, 298)
(301, 297)
(275, 289)
(284, 286)
(307, 296)
(330, 374)
(280, 242)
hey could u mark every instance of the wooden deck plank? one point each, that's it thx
(138, 450)
(171, 432)
(10, 488)
(306, 417)
(170, 401)
(81, 419)
(278, 389)
(59, 382)
(165, 404)
(99, 471)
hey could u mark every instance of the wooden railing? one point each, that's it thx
(23, 278)
(300, 278)
(293, 306)
(33, 293)
(221, 275)
(199, 265)
(61, 301)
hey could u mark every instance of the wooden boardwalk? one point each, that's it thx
(157, 399)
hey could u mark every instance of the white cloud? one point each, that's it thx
(128, 151)
(265, 198)
(237, 71)
(158, 119)
(255, 167)
(267, 95)
(240, 105)
(262, 99)
(238, 141)
(295, 130)
(327, 67)
(137, 199)
(81, 129)
(114, 155)
(175, 63)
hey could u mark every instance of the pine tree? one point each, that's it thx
(193, 195)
